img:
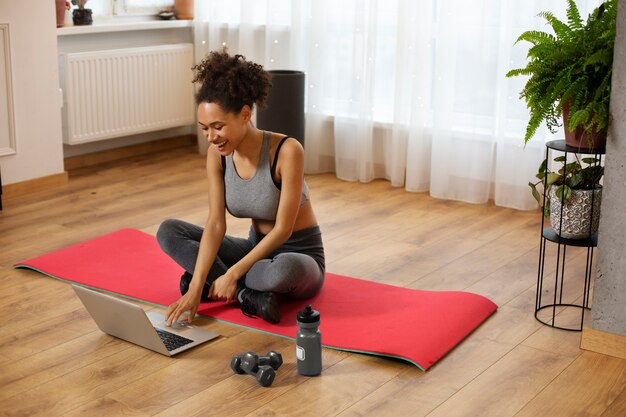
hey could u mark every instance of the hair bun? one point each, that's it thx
(231, 81)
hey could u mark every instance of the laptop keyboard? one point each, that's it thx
(172, 341)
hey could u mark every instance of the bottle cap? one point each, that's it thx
(308, 315)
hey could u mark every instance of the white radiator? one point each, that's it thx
(120, 92)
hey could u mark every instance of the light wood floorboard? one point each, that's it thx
(55, 362)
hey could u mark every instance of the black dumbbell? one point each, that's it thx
(263, 367)
(235, 364)
(273, 359)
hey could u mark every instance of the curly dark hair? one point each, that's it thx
(231, 81)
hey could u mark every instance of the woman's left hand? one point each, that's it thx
(224, 288)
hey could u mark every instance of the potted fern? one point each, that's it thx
(570, 75)
(573, 194)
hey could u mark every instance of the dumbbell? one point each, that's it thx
(263, 367)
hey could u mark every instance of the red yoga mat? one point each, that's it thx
(356, 315)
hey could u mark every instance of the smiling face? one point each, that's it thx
(224, 130)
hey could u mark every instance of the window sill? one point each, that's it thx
(112, 26)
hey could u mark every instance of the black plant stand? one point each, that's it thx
(552, 305)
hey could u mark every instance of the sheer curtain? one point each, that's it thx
(410, 91)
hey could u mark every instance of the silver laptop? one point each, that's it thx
(130, 322)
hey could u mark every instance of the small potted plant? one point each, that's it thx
(570, 75)
(573, 193)
(81, 16)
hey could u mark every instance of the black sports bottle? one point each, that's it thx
(309, 342)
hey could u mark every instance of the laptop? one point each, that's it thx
(130, 322)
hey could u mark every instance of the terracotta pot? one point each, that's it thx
(579, 138)
(183, 9)
(60, 4)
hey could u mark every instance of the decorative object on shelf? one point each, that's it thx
(62, 6)
(570, 75)
(556, 303)
(284, 112)
(571, 194)
(68, 16)
(166, 14)
(81, 16)
(183, 9)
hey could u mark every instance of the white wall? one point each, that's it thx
(37, 111)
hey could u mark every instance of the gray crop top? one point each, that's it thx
(257, 197)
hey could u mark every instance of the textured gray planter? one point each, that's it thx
(576, 213)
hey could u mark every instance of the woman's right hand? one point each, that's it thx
(188, 302)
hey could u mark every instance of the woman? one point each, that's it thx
(253, 174)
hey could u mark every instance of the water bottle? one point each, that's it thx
(308, 342)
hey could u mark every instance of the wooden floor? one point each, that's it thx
(55, 362)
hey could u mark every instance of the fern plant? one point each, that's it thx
(572, 66)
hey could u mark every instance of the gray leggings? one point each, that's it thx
(295, 269)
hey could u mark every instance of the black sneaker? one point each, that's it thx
(262, 304)
(184, 286)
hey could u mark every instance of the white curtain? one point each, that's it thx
(412, 91)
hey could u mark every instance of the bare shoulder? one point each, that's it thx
(213, 160)
(290, 148)
(290, 156)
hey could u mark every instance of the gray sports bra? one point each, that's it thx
(257, 197)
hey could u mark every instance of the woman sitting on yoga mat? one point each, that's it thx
(253, 174)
